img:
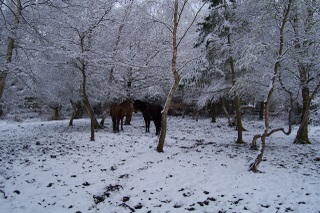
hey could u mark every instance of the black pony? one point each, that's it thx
(149, 112)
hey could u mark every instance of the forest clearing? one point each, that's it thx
(249, 70)
(48, 166)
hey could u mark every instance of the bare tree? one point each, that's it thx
(176, 41)
(305, 37)
(81, 23)
(85, 43)
(266, 133)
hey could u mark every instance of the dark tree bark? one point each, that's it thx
(77, 111)
(85, 100)
(104, 114)
(239, 120)
(261, 110)
(236, 99)
(56, 111)
(302, 134)
(213, 112)
(11, 45)
(302, 46)
(223, 106)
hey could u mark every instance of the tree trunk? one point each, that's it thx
(104, 114)
(302, 47)
(254, 166)
(11, 45)
(164, 118)
(91, 131)
(261, 110)
(223, 106)
(213, 112)
(302, 134)
(128, 117)
(77, 111)
(236, 99)
(3, 77)
(86, 103)
(56, 112)
(176, 79)
(238, 117)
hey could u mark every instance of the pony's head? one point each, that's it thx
(138, 105)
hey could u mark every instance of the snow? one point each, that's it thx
(47, 166)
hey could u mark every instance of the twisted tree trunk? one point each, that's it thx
(254, 166)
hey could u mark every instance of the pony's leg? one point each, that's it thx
(121, 124)
(118, 123)
(157, 127)
(146, 122)
(148, 126)
(157, 123)
(114, 123)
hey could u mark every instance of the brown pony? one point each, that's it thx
(117, 113)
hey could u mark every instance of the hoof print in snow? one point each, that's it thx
(127, 206)
(206, 192)
(139, 206)
(50, 184)
(107, 194)
(86, 184)
(124, 176)
(31, 181)
(187, 194)
(211, 199)
(206, 202)
(203, 203)
(176, 206)
(17, 192)
(113, 168)
(4, 194)
(289, 210)
(98, 199)
(165, 201)
(112, 188)
(237, 201)
(125, 199)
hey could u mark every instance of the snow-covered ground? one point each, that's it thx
(47, 166)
